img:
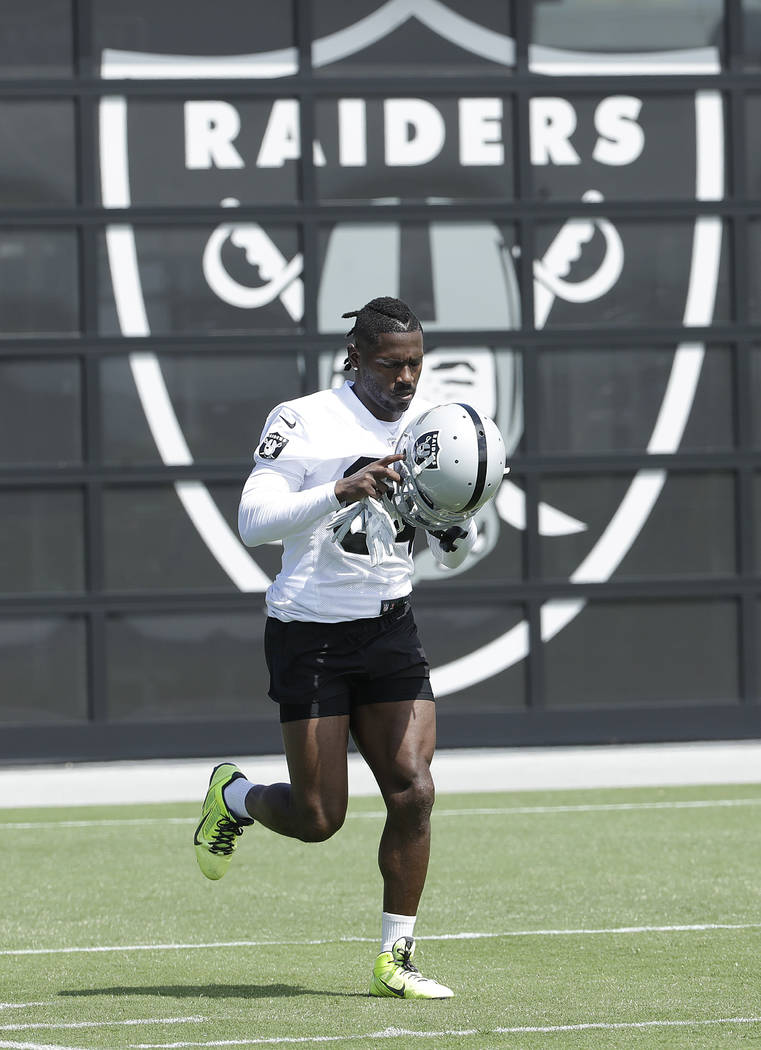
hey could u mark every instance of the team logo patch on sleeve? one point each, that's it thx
(427, 445)
(272, 445)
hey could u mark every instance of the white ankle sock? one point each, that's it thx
(235, 797)
(395, 926)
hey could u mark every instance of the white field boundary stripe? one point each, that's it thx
(405, 1033)
(616, 1025)
(462, 936)
(485, 811)
(13, 1045)
(592, 807)
(131, 1021)
(30, 825)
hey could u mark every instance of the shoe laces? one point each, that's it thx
(406, 963)
(223, 837)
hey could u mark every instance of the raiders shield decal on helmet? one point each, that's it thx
(427, 450)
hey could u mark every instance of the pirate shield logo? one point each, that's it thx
(272, 445)
(426, 450)
(457, 274)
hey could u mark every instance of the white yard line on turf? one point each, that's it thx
(131, 1022)
(13, 1045)
(406, 1033)
(492, 811)
(462, 936)
(484, 769)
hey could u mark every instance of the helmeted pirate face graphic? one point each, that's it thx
(469, 283)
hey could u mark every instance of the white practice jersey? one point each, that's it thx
(305, 447)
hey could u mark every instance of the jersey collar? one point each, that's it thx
(350, 399)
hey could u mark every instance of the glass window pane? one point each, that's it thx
(40, 412)
(753, 137)
(755, 394)
(39, 283)
(199, 151)
(43, 670)
(757, 517)
(645, 653)
(452, 632)
(618, 146)
(465, 36)
(192, 29)
(610, 400)
(36, 153)
(157, 538)
(619, 273)
(43, 545)
(415, 149)
(754, 270)
(750, 40)
(641, 25)
(758, 645)
(228, 278)
(36, 38)
(458, 275)
(205, 666)
(688, 531)
(220, 403)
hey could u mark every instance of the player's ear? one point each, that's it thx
(352, 357)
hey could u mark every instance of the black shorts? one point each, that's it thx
(319, 669)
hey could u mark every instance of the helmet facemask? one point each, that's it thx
(454, 460)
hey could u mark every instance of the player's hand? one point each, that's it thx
(375, 480)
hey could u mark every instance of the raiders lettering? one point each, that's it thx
(414, 133)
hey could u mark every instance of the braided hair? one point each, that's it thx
(377, 317)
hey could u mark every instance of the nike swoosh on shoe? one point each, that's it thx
(394, 991)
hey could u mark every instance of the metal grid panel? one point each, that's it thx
(536, 724)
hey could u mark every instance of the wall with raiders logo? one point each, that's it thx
(567, 192)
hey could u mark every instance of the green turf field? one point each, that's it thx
(626, 918)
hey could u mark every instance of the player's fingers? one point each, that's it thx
(383, 470)
(391, 459)
(383, 476)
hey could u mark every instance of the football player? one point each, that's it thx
(340, 641)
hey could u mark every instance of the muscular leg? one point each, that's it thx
(313, 806)
(397, 740)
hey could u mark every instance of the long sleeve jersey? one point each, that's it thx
(308, 444)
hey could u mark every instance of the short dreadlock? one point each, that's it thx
(378, 317)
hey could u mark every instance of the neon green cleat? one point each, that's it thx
(215, 836)
(394, 975)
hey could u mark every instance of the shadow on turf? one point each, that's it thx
(213, 991)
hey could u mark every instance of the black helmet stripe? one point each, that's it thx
(478, 488)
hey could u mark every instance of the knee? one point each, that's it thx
(412, 800)
(318, 823)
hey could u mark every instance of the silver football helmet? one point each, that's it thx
(454, 461)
